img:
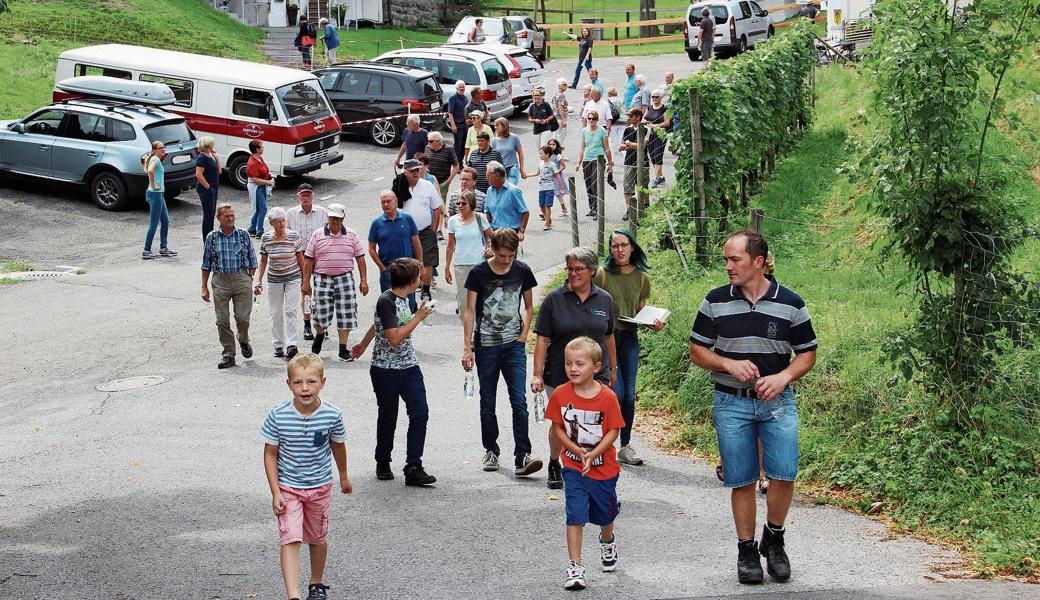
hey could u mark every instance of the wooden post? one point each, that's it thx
(601, 205)
(675, 241)
(401, 41)
(641, 179)
(544, 20)
(755, 219)
(743, 190)
(616, 33)
(575, 240)
(698, 174)
(628, 19)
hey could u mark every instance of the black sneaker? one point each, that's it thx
(247, 350)
(290, 352)
(772, 547)
(226, 362)
(316, 344)
(383, 472)
(344, 355)
(278, 352)
(317, 591)
(555, 480)
(307, 333)
(749, 564)
(418, 476)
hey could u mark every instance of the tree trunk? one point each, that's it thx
(647, 12)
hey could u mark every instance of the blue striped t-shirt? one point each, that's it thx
(304, 452)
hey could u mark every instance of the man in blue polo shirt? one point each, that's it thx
(392, 235)
(754, 324)
(504, 203)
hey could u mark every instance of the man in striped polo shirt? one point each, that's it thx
(331, 255)
(754, 325)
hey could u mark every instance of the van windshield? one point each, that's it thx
(174, 131)
(303, 101)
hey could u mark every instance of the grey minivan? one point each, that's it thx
(98, 143)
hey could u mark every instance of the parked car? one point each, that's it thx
(98, 143)
(477, 68)
(525, 71)
(496, 30)
(739, 25)
(361, 91)
(528, 35)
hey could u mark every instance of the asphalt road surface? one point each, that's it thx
(160, 492)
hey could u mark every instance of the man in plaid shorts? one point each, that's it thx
(331, 255)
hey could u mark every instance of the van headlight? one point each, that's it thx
(299, 150)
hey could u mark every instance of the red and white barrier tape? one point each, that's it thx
(436, 114)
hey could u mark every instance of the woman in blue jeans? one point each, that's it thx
(155, 195)
(584, 53)
(207, 181)
(624, 277)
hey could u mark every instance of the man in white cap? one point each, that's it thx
(332, 254)
(642, 98)
(424, 206)
(306, 218)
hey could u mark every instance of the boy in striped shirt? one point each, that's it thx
(302, 436)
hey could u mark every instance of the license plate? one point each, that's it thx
(180, 160)
(435, 105)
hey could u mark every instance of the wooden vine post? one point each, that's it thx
(575, 240)
(601, 205)
(642, 172)
(698, 175)
(755, 219)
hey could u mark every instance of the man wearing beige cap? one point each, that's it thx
(332, 254)
(305, 219)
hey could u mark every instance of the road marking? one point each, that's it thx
(324, 198)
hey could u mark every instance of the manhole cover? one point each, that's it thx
(33, 275)
(130, 383)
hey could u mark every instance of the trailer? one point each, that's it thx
(848, 24)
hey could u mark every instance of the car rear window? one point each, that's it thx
(718, 11)
(172, 131)
(492, 27)
(428, 87)
(527, 62)
(494, 72)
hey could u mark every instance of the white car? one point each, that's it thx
(739, 25)
(525, 71)
(497, 30)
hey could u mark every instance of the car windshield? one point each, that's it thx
(173, 131)
(527, 62)
(494, 71)
(304, 101)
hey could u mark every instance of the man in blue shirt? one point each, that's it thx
(331, 40)
(228, 254)
(456, 110)
(504, 204)
(392, 235)
(413, 140)
(630, 85)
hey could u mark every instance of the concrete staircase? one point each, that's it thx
(278, 46)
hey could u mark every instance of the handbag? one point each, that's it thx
(307, 41)
(554, 125)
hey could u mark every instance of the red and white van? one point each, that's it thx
(232, 101)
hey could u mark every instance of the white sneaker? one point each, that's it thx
(627, 456)
(490, 461)
(575, 577)
(608, 555)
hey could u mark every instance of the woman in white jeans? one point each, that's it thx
(468, 236)
(281, 257)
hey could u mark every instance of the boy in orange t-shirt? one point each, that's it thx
(587, 418)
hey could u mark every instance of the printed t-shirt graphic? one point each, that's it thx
(498, 319)
(585, 421)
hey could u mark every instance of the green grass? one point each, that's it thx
(33, 34)
(10, 266)
(867, 435)
(365, 44)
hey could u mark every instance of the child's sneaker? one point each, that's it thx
(490, 462)
(317, 591)
(608, 554)
(575, 577)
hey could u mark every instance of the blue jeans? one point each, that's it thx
(460, 140)
(510, 360)
(209, 208)
(741, 422)
(407, 385)
(627, 341)
(577, 70)
(256, 223)
(157, 214)
(384, 285)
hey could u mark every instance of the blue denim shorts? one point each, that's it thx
(740, 422)
(545, 198)
(590, 500)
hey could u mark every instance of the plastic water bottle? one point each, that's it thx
(431, 305)
(539, 407)
(468, 385)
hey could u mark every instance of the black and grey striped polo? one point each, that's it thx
(765, 333)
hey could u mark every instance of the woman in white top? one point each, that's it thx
(467, 232)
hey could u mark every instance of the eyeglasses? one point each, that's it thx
(620, 246)
(577, 270)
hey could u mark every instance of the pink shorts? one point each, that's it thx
(306, 515)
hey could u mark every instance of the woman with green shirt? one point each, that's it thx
(594, 144)
(623, 276)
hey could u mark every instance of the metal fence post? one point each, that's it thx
(575, 239)
(601, 205)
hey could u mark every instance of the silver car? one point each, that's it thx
(99, 144)
(528, 35)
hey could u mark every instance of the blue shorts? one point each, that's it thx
(590, 500)
(741, 422)
(545, 198)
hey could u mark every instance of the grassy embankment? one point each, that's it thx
(867, 435)
(33, 34)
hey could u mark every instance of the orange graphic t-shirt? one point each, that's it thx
(586, 421)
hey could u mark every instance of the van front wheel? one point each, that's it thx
(237, 172)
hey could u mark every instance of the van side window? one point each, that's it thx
(79, 126)
(181, 89)
(745, 10)
(82, 70)
(493, 72)
(251, 103)
(454, 70)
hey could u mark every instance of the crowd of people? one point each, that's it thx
(586, 346)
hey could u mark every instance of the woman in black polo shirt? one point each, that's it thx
(577, 308)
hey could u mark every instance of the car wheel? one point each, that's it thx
(770, 32)
(237, 172)
(694, 55)
(383, 133)
(742, 48)
(108, 191)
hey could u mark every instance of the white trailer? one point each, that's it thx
(845, 26)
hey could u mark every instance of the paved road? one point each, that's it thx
(160, 492)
